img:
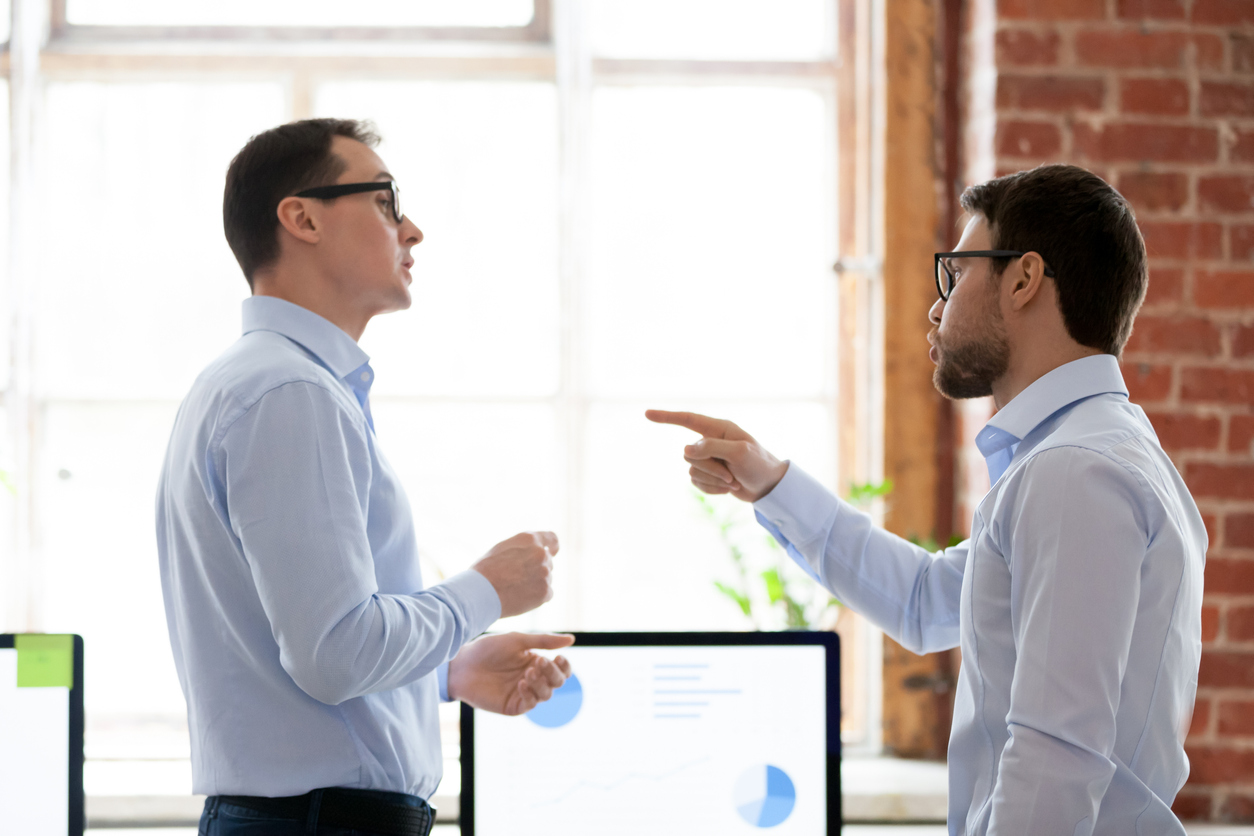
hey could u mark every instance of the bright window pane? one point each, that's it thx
(788, 30)
(97, 552)
(650, 556)
(6, 19)
(5, 285)
(710, 262)
(477, 164)
(475, 474)
(300, 13)
(137, 299)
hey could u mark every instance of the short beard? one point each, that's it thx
(969, 370)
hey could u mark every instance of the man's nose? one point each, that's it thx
(410, 233)
(934, 313)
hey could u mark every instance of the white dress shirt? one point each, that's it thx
(308, 650)
(1076, 602)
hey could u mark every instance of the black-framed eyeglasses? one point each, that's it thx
(945, 279)
(341, 189)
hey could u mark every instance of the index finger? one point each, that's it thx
(545, 641)
(696, 422)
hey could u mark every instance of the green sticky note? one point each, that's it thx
(44, 661)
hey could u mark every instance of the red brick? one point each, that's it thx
(1050, 10)
(1166, 286)
(1153, 9)
(1026, 48)
(1221, 481)
(1130, 47)
(1240, 437)
(1163, 96)
(1241, 629)
(1223, 12)
(1232, 575)
(1210, 52)
(1243, 341)
(1239, 531)
(1242, 242)
(1227, 98)
(1210, 629)
(1201, 713)
(1215, 765)
(1192, 805)
(1212, 527)
(1242, 150)
(1224, 288)
(1180, 334)
(1232, 193)
(1154, 191)
(1125, 141)
(1185, 432)
(1059, 94)
(1165, 239)
(1236, 717)
(1221, 385)
(1028, 139)
(1242, 53)
(1147, 382)
(1237, 808)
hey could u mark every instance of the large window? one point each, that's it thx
(626, 204)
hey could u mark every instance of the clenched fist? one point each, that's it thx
(520, 569)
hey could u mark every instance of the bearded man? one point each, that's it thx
(1077, 599)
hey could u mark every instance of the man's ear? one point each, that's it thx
(297, 216)
(1026, 276)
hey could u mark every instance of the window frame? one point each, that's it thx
(552, 47)
(64, 33)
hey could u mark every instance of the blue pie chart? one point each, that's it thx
(561, 708)
(765, 796)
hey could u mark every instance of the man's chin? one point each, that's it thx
(959, 387)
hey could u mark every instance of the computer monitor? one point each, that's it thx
(41, 735)
(666, 733)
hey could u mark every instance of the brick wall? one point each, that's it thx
(1157, 96)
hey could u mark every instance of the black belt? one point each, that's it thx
(381, 812)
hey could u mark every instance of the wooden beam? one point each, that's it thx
(912, 715)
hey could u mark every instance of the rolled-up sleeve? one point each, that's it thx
(909, 593)
(1075, 541)
(296, 471)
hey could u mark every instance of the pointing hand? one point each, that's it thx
(726, 459)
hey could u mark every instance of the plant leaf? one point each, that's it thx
(774, 586)
(862, 494)
(742, 601)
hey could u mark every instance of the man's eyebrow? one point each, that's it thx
(384, 175)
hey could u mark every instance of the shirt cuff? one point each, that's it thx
(442, 676)
(799, 508)
(477, 598)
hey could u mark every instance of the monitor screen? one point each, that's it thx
(41, 734)
(678, 733)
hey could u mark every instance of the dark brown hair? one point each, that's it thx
(274, 165)
(1085, 231)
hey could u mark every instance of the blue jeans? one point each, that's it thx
(222, 819)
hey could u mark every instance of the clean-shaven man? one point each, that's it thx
(1077, 599)
(311, 655)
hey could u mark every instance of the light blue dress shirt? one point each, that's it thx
(308, 650)
(1076, 602)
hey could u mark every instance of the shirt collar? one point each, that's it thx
(325, 340)
(1070, 382)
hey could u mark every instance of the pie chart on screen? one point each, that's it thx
(561, 708)
(765, 796)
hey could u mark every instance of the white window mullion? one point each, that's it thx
(574, 94)
(21, 572)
